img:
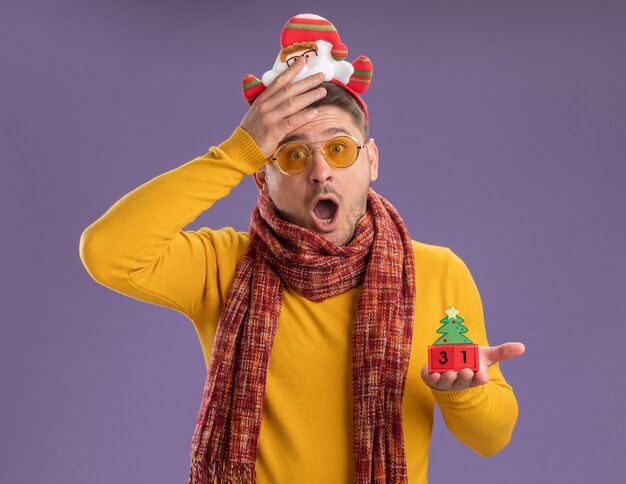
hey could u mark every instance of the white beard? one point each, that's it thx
(323, 62)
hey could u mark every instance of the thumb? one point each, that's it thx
(505, 351)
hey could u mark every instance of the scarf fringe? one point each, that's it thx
(221, 473)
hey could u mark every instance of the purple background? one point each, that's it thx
(501, 126)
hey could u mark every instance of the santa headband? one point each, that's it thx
(316, 39)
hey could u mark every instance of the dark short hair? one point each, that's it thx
(342, 99)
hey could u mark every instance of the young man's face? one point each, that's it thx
(297, 197)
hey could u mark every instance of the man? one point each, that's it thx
(327, 282)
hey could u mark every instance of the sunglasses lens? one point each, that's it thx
(341, 152)
(293, 158)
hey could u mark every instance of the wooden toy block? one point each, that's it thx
(442, 358)
(466, 356)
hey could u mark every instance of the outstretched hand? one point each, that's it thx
(280, 108)
(466, 378)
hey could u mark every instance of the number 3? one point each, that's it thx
(444, 357)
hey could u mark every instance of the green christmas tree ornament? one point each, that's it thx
(453, 351)
(452, 329)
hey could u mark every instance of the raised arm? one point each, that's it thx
(138, 247)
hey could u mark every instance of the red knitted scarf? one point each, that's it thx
(380, 258)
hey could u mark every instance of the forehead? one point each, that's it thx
(330, 121)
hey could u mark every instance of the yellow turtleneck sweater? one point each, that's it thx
(139, 248)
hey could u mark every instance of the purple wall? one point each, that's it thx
(501, 126)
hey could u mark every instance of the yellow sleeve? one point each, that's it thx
(138, 247)
(482, 417)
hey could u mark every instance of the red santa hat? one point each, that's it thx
(307, 27)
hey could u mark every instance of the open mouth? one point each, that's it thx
(325, 211)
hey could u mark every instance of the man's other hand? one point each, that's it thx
(280, 109)
(466, 378)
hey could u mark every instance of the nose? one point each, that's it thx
(320, 170)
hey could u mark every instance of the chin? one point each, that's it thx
(332, 239)
(339, 239)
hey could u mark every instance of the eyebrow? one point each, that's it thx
(302, 137)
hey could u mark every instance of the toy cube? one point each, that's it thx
(442, 358)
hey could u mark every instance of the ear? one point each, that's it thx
(260, 180)
(372, 152)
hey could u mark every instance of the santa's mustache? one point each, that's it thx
(315, 65)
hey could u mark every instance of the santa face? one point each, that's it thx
(320, 61)
(306, 53)
(324, 199)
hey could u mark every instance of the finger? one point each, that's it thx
(285, 78)
(481, 377)
(447, 380)
(293, 90)
(431, 379)
(294, 106)
(299, 119)
(506, 351)
(464, 379)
